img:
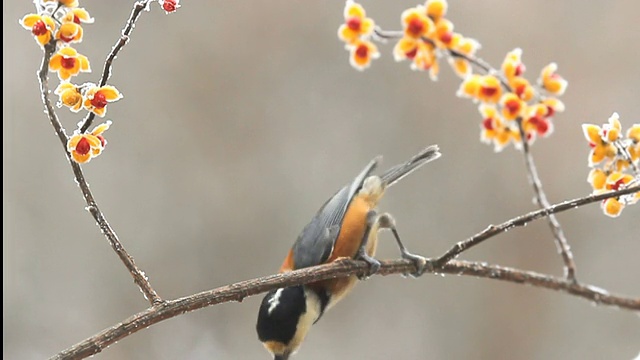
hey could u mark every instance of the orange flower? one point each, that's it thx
(597, 178)
(96, 98)
(494, 129)
(512, 65)
(470, 87)
(464, 46)
(600, 148)
(490, 89)
(436, 9)
(444, 37)
(67, 62)
(361, 54)
(41, 27)
(78, 15)
(536, 122)
(618, 180)
(553, 106)
(84, 147)
(69, 32)
(420, 52)
(633, 134)
(512, 106)
(522, 88)
(70, 96)
(551, 81)
(416, 23)
(611, 131)
(615, 181)
(356, 23)
(612, 207)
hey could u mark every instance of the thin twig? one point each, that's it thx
(138, 275)
(534, 179)
(340, 268)
(108, 64)
(561, 242)
(493, 230)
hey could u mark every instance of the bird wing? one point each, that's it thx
(316, 241)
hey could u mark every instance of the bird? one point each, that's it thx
(346, 226)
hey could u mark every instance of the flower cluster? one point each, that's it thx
(84, 147)
(511, 106)
(57, 26)
(428, 35)
(356, 33)
(614, 160)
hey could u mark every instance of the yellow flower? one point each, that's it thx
(69, 96)
(512, 106)
(634, 133)
(361, 54)
(522, 88)
(494, 129)
(444, 33)
(96, 99)
(78, 15)
(633, 148)
(612, 207)
(617, 180)
(600, 148)
(67, 3)
(490, 89)
(512, 65)
(416, 23)
(536, 122)
(84, 147)
(611, 131)
(41, 27)
(470, 87)
(420, 52)
(465, 46)
(69, 32)
(553, 105)
(68, 62)
(597, 178)
(436, 9)
(551, 81)
(356, 23)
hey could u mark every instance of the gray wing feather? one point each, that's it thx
(315, 243)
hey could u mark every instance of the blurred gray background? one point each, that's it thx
(241, 117)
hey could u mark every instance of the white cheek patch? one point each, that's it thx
(274, 301)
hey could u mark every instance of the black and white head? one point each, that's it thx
(285, 317)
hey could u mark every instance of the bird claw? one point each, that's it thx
(419, 261)
(374, 265)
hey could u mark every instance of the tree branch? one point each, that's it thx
(534, 179)
(562, 244)
(493, 230)
(138, 275)
(108, 64)
(344, 267)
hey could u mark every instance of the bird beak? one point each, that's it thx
(281, 357)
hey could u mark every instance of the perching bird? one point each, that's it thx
(345, 226)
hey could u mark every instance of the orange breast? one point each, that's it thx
(288, 264)
(347, 245)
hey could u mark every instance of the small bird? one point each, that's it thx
(346, 226)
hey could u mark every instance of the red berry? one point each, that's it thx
(83, 147)
(169, 5)
(39, 28)
(99, 100)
